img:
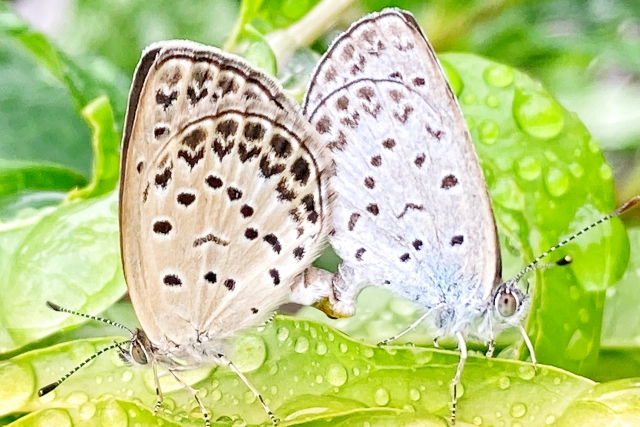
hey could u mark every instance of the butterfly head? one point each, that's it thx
(140, 349)
(509, 304)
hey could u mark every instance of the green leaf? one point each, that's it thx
(84, 82)
(547, 179)
(105, 142)
(68, 255)
(119, 31)
(309, 374)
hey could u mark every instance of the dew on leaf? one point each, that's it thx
(87, 410)
(302, 345)
(488, 132)
(518, 410)
(250, 354)
(556, 182)
(492, 101)
(337, 375)
(499, 75)
(321, 348)
(282, 334)
(576, 169)
(538, 114)
(504, 383)
(526, 372)
(528, 168)
(381, 396)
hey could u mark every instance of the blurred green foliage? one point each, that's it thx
(62, 103)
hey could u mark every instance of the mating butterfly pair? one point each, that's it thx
(228, 194)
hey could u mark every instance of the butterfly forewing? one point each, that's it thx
(223, 194)
(410, 192)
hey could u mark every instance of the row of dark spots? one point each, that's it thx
(272, 240)
(417, 245)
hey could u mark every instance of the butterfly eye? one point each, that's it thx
(506, 303)
(138, 354)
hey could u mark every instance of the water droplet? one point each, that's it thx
(302, 345)
(52, 417)
(414, 395)
(273, 369)
(216, 395)
(112, 415)
(87, 410)
(251, 352)
(460, 390)
(321, 348)
(492, 101)
(477, 420)
(249, 397)
(507, 193)
(504, 383)
(583, 314)
(529, 168)
(77, 398)
(550, 419)
(557, 182)
(605, 172)
(367, 352)
(356, 372)
(499, 75)
(526, 372)
(337, 375)
(381, 396)
(518, 410)
(273, 390)
(538, 114)
(239, 423)
(343, 347)
(469, 98)
(594, 147)
(576, 169)
(99, 379)
(488, 132)
(282, 334)
(127, 375)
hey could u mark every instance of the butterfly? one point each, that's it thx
(223, 204)
(412, 213)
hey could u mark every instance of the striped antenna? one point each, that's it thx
(55, 307)
(629, 204)
(48, 388)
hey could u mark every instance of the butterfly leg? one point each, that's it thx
(156, 382)
(250, 386)
(412, 326)
(194, 393)
(527, 341)
(462, 346)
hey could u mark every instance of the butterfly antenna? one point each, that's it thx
(49, 388)
(56, 307)
(629, 204)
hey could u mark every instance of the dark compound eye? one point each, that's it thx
(138, 354)
(506, 303)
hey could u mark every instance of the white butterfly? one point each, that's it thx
(412, 213)
(223, 204)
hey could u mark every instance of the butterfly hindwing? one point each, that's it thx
(412, 212)
(223, 194)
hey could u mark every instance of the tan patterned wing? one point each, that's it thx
(223, 194)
